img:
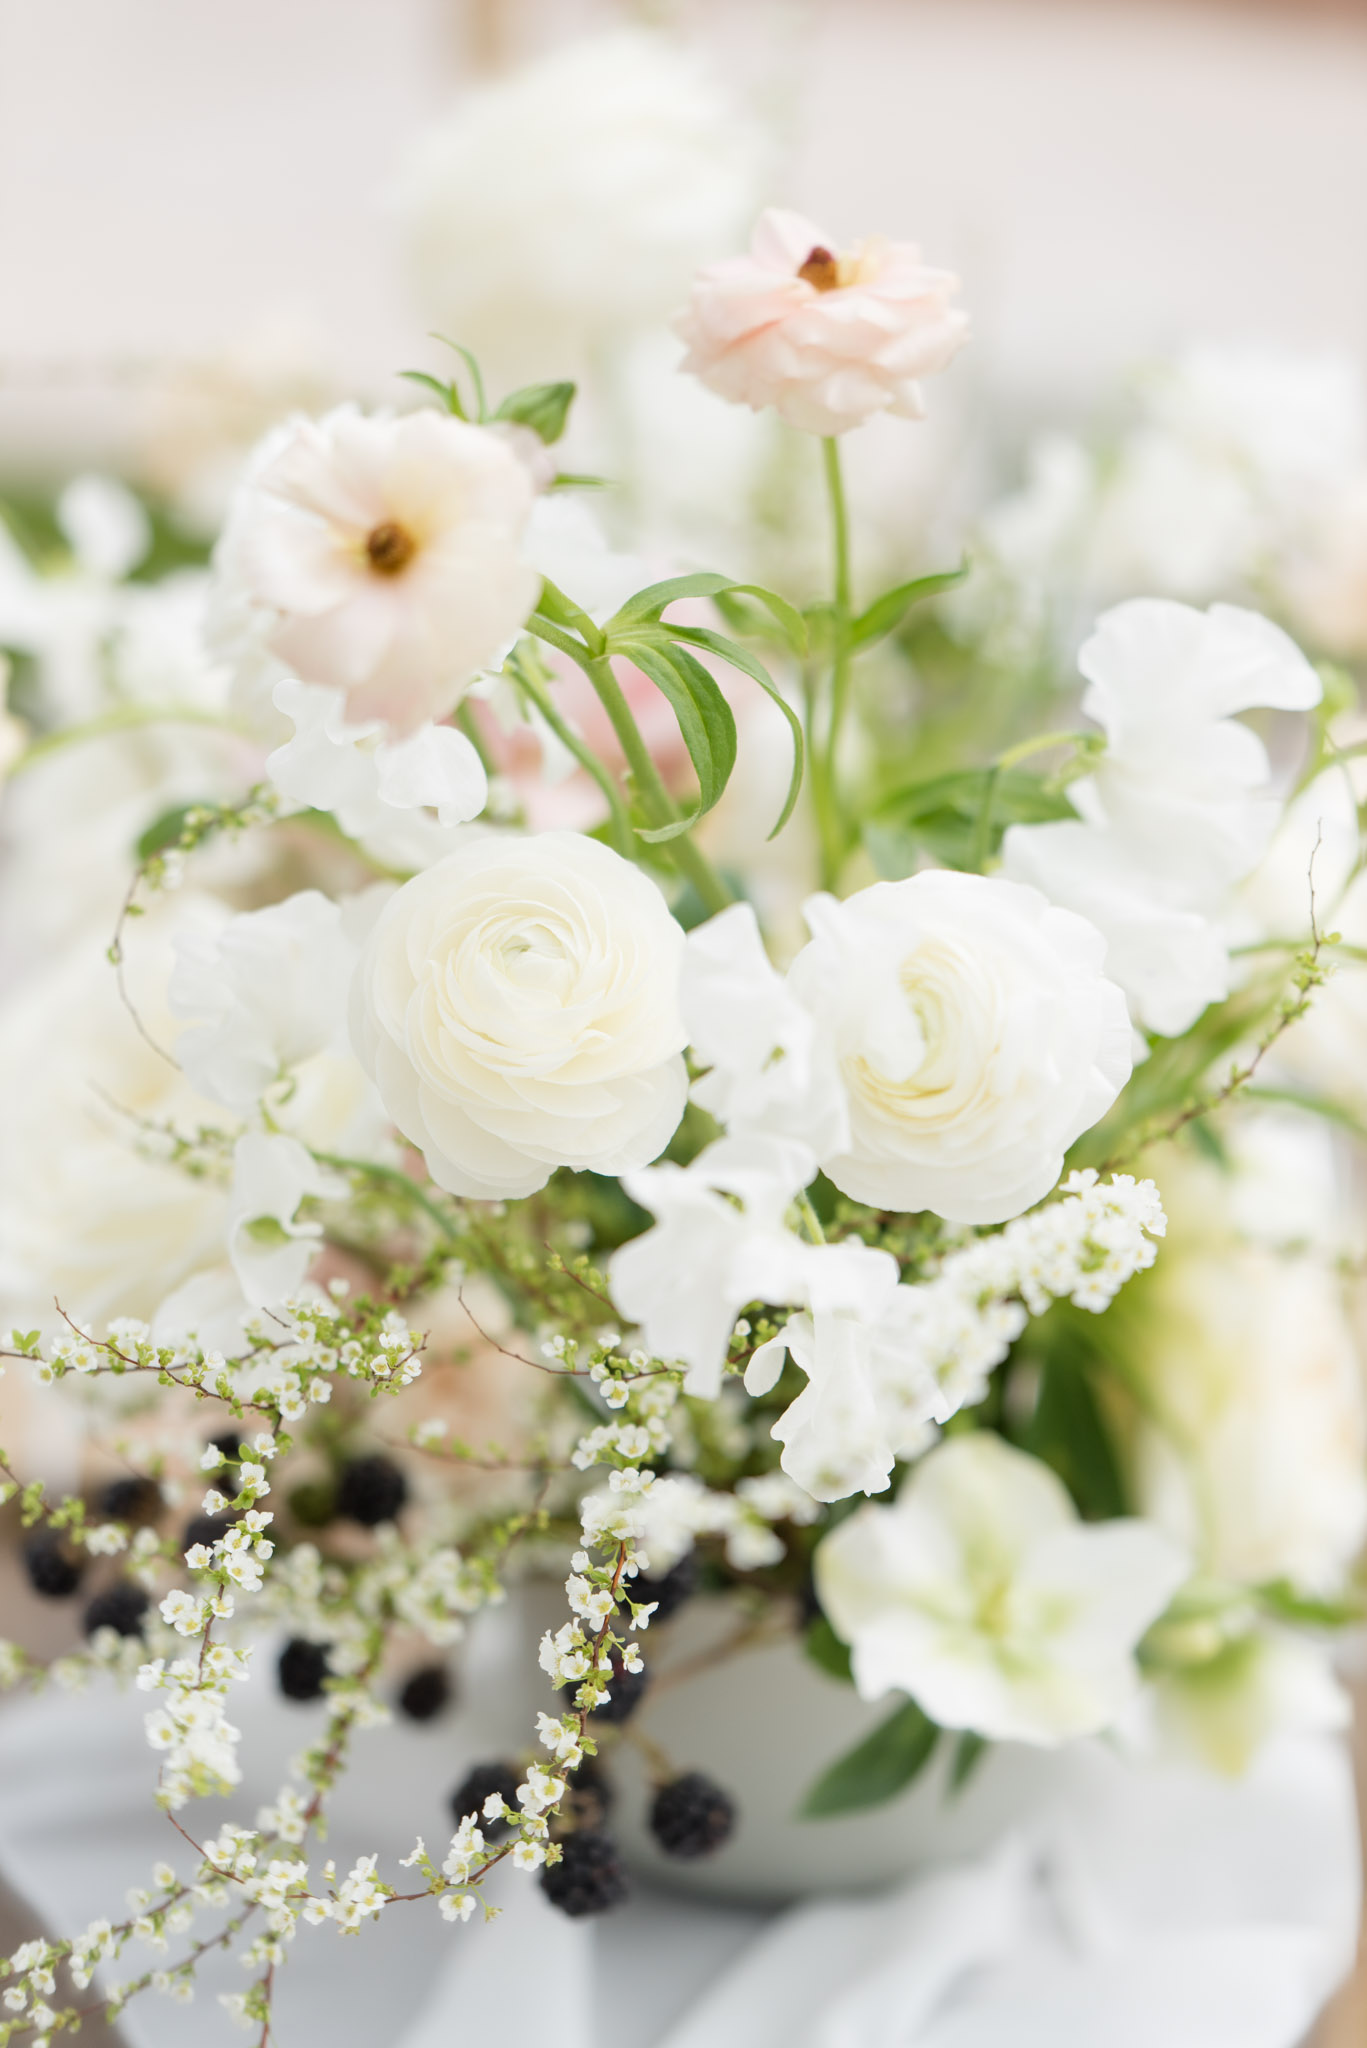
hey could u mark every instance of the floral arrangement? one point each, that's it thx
(482, 1177)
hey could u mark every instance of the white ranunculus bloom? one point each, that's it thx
(517, 1006)
(719, 1241)
(975, 1034)
(570, 203)
(981, 1594)
(377, 555)
(1181, 807)
(262, 995)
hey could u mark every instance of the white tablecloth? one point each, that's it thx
(1145, 1907)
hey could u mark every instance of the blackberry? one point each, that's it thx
(302, 1668)
(131, 1498)
(53, 1565)
(205, 1529)
(626, 1690)
(690, 1816)
(120, 1607)
(589, 1877)
(470, 1795)
(589, 1799)
(371, 1491)
(313, 1502)
(427, 1693)
(670, 1590)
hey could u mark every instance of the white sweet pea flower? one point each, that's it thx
(263, 994)
(270, 1250)
(517, 1007)
(1182, 806)
(981, 1594)
(976, 1038)
(378, 790)
(381, 556)
(769, 1069)
(870, 1396)
(719, 1241)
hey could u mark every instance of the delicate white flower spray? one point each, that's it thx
(710, 1239)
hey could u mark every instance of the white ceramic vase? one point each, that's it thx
(764, 1724)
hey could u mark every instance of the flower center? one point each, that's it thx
(389, 547)
(822, 269)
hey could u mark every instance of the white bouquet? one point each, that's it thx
(465, 1167)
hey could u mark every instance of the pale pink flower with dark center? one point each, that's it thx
(384, 556)
(827, 337)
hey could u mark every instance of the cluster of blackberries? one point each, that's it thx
(371, 1491)
(689, 1816)
(302, 1668)
(55, 1568)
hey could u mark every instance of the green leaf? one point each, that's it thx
(887, 612)
(739, 657)
(880, 1767)
(1067, 1430)
(1281, 1598)
(542, 407)
(969, 1751)
(481, 403)
(646, 607)
(958, 818)
(705, 720)
(821, 1643)
(447, 393)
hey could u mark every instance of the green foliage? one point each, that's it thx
(166, 831)
(825, 1649)
(543, 407)
(878, 1768)
(887, 612)
(969, 1751)
(1067, 1430)
(957, 819)
(640, 633)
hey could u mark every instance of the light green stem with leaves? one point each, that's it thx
(824, 749)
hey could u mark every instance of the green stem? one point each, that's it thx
(655, 799)
(402, 1183)
(826, 775)
(126, 718)
(624, 839)
(1039, 745)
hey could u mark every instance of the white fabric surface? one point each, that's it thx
(1142, 1907)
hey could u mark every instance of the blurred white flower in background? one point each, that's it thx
(1239, 474)
(981, 1594)
(88, 1212)
(560, 210)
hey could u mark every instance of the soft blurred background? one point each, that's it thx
(210, 214)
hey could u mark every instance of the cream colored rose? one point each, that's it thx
(518, 1008)
(975, 1034)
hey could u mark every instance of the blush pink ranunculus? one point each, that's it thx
(827, 338)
